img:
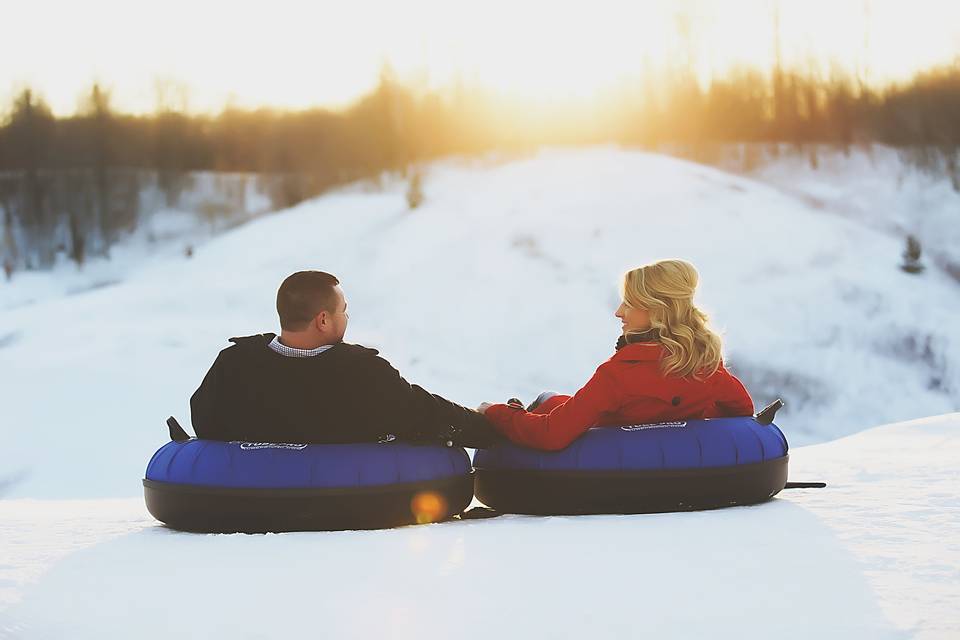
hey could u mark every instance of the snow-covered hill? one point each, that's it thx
(874, 555)
(504, 283)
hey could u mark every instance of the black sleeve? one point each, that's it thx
(204, 404)
(413, 413)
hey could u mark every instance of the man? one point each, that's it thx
(308, 386)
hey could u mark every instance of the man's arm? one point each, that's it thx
(414, 413)
(204, 404)
(468, 427)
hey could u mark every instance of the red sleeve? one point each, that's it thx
(557, 429)
(732, 397)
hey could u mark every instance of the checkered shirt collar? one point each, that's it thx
(284, 350)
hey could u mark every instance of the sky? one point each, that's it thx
(288, 53)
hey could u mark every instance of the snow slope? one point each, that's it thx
(875, 555)
(878, 188)
(502, 284)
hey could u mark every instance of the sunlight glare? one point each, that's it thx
(296, 55)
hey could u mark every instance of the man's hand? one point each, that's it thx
(512, 402)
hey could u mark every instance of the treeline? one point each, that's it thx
(924, 118)
(921, 117)
(76, 184)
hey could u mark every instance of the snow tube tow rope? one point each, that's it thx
(646, 468)
(258, 487)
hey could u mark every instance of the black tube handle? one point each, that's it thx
(765, 417)
(177, 434)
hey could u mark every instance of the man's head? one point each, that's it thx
(312, 310)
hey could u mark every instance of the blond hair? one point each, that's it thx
(665, 289)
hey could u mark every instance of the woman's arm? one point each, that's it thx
(557, 429)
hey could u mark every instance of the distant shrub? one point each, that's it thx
(415, 191)
(911, 256)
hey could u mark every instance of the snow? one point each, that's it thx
(876, 187)
(504, 284)
(874, 555)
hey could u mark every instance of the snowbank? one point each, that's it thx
(875, 555)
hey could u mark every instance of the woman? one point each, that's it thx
(667, 366)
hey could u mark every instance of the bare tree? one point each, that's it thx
(171, 126)
(9, 244)
(778, 80)
(863, 70)
(30, 134)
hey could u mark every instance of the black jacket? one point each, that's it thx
(346, 394)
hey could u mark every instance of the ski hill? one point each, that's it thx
(504, 283)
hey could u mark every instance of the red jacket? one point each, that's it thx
(626, 389)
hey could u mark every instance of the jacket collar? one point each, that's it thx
(650, 335)
(639, 347)
(639, 352)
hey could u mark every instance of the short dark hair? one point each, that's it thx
(303, 295)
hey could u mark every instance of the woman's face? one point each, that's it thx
(633, 319)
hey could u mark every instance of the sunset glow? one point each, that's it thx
(294, 55)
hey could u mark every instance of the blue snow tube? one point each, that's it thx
(211, 486)
(673, 466)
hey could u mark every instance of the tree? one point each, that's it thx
(99, 116)
(8, 246)
(911, 256)
(30, 136)
(170, 143)
(778, 83)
